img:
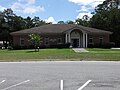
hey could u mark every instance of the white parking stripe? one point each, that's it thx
(2, 81)
(84, 85)
(16, 85)
(61, 85)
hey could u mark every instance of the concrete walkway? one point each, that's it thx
(115, 48)
(80, 50)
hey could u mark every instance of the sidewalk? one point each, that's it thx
(80, 50)
(115, 48)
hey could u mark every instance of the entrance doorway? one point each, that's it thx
(75, 43)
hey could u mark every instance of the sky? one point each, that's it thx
(51, 10)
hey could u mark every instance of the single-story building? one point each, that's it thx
(60, 34)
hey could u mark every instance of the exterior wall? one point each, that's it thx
(53, 39)
(96, 39)
(16, 40)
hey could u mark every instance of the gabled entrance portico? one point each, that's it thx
(77, 38)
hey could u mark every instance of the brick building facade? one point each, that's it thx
(60, 34)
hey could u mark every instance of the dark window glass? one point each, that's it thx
(59, 40)
(101, 39)
(22, 42)
(46, 40)
(90, 40)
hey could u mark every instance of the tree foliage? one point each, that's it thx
(107, 17)
(61, 22)
(70, 22)
(84, 21)
(10, 22)
(35, 39)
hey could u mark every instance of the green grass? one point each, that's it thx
(59, 54)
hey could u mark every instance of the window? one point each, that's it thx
(59, 40)
(101, 39)
(90, 40)
(22, 42)
(46, 40)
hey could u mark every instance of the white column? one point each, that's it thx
(69, 37)
(83, 40)
(66, 38)
(86, 40)
(79, 41)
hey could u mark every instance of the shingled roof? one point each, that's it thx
(58, 28)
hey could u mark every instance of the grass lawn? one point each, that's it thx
(58, 54)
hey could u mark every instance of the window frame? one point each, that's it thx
(46, 41)
(90, 40)
(22, 41)
(101, 39)
(59, 40)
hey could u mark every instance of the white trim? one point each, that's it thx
(86, 40)
(83, 40)
(79, 41)
(69, 38)
(66, 37)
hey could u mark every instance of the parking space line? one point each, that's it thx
(2, 81)
(16, 85)
(61, 85)
(84, 85)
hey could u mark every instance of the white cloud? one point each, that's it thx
(27, 1)
(31, 1)
(26, 7)
(86, 6)
(2, 8)
(80, 15)
(33, 9)
(83, 9)
(86, 2)
(51, 19)
(16, 6)
(81, 1)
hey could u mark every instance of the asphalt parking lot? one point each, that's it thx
(51, 75)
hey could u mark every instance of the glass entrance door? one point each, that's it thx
(75, 42)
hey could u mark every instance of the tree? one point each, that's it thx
(28, 22)
(35, 39)
(38, 22)
(69, 22)
(107, 17)
(84, 21)
(10, 22)
(61, 22)
(6, 25)
(107, 5)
